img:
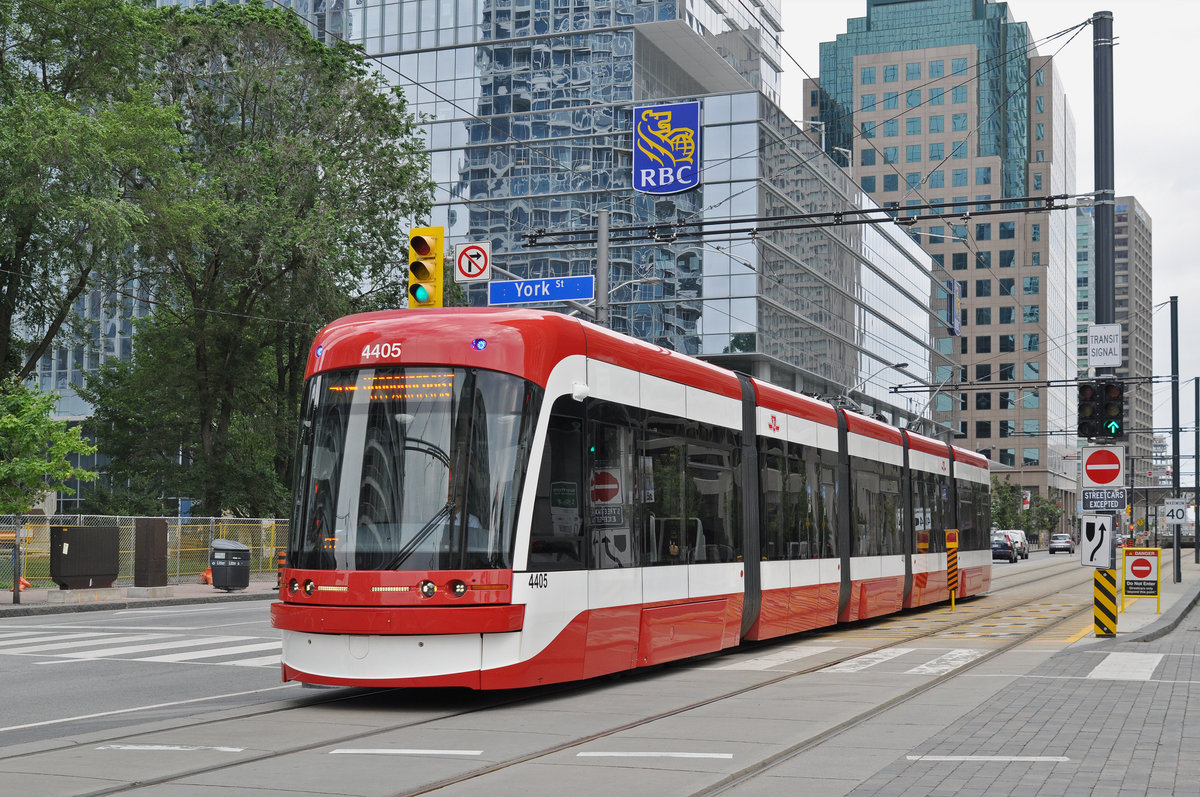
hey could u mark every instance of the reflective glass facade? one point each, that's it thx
(977, 117)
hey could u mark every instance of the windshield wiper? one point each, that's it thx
(420, 536)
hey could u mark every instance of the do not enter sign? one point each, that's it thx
(1141, 572)
(1104, 466)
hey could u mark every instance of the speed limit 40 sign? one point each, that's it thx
(1175, 510)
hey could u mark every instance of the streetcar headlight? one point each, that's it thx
(458, 588)
(309, 586)
(293, 586)
(428, 588)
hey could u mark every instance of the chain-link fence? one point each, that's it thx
(188, 543)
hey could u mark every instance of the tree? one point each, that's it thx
(82, 141)
(300, 169)
(1006, 504)
(34, 448)
(1043, 515)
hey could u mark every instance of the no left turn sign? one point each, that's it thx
(473, 262)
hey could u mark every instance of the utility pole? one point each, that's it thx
(602, 268)
(1175, 425)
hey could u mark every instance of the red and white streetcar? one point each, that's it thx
(497, 498)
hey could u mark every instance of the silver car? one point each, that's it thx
(1062, 542)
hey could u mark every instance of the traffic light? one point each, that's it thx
(1112, 408)
(1089, 410)
(425, 253)
(1101, 412)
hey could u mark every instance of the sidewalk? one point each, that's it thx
(36, 601)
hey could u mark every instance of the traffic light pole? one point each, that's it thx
(1175, 426)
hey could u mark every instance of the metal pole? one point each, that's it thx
(16, 567)
(1103, 301)
(1196, 475)
(602, 268)
(1175, 424)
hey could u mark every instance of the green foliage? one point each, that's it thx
(1043, 515)
(34, 448)
(299, 167)
(1006, 504)
(83, 140)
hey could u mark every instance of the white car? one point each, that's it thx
(1062, 542)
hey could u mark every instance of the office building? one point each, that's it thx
(948, 102)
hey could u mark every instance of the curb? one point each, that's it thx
(41, 608)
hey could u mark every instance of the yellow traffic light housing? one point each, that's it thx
(425, 254)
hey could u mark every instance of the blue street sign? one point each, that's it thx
(551, 289)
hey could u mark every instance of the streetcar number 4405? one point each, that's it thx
(539, 580)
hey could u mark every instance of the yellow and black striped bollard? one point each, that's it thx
(1105, 603)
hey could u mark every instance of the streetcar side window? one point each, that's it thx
(792, 508)
(557, 535)
(877, 510)
(612, 522)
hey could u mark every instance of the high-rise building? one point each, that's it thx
(531, 108)
(1133, 281)
(948, 101)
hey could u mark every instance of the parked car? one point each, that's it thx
(1019, 541)
(1062, 542)
(1003, 548)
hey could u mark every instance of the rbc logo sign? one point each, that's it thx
(666, 151)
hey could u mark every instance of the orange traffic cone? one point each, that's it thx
(24, 584)
(206, 578)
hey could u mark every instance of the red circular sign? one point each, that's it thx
(1102, 466)
(604, 486)
(472, 261)
(1141, 568)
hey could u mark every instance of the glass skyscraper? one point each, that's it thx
(948, 102)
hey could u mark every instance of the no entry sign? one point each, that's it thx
(1104, 466)
(1141, 572)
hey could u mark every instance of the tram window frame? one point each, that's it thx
(877, 511)
(626, 423)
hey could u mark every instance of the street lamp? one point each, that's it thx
(859, 386)
(849, 160)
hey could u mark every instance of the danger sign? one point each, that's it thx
(473, 262)
(1104, 466)
(1141, 572)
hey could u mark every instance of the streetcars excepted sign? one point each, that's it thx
(1104, 466)
(1141, 572)
(1099, 499)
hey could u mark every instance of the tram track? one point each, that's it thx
(971, 613)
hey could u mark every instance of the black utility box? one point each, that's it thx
(83, 557)
(150, 552)
(230, 563)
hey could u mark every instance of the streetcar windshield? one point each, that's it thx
(411, 469)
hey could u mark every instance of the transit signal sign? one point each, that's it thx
(1097, 542)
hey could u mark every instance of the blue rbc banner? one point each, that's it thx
(666, 148)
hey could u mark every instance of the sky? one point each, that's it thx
(1156, 138)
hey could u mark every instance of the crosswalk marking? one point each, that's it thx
(775, 659)
(163, 645)
(1126, 667)
(90, 646)
(868, 660)
(74, 641)
(947, 662)
(208, 654)
(261, 661)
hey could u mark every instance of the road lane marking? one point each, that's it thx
(649, 754)
(262, 661)
(397, 751)
(172, 747)
(97, 639)
(1053, 759)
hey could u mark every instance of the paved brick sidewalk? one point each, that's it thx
(1081, 731)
